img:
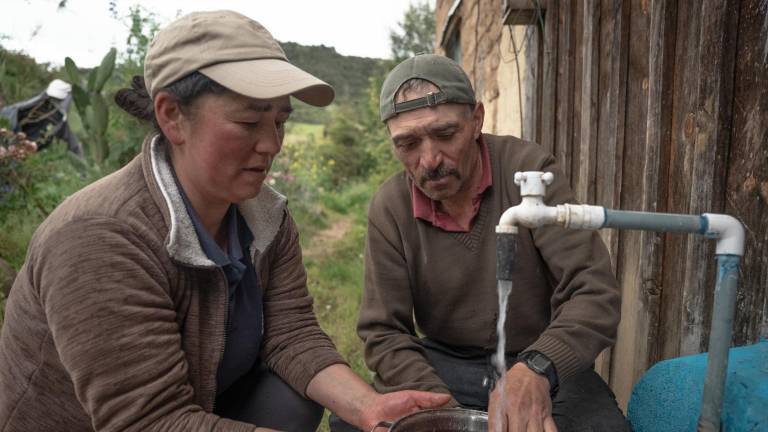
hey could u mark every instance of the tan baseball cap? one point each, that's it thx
(233, 50)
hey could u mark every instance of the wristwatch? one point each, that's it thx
(543, 366)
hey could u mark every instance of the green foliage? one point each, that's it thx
(143, 26)
(347, 74)
(347, 148)
(417, 32)
(21, 77)
(125, 132)
(298, 172)
(90, 103)
(30, 191)
(352, 200)
(353, 147)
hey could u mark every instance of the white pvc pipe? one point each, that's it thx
(729, 232)
(533, 213)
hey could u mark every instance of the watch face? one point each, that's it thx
(540, 363)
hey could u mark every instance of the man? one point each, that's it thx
(431, 261)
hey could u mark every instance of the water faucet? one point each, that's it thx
(532, 212)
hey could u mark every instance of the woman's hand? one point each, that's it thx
(346, 394)
(392, 406)
(527, 405)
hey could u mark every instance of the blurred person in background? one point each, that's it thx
(45, 117)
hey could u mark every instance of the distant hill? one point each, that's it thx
(347, 74)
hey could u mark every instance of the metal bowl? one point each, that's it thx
(440, 420)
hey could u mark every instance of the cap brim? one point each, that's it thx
(270, 78)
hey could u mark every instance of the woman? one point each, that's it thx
(171, 294)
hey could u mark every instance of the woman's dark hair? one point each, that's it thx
(137, 102)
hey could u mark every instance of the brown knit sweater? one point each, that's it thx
(565, 301)
(116, 321)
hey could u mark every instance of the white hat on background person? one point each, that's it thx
(58, 89)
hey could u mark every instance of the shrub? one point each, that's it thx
(21, 77)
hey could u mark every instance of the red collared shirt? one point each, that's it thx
(427, 209)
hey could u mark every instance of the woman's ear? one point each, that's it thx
(169, 117)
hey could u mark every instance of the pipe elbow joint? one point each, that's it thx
(729, 232)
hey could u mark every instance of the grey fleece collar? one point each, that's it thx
(263, 214)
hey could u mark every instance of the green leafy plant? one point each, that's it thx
(142, 27)
(21, 77)
(90, 103)
(416, 34)
(14, 148)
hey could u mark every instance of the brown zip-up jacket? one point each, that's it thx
(116, 321)
(565, 301)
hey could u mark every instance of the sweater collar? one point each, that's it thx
(263, 214)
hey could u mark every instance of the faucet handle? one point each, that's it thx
(533, 183)
(519, 178)
(547, 178)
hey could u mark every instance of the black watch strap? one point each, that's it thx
(542, 365)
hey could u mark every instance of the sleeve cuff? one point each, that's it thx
(566, 362)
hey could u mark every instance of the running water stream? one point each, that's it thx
(499, 359)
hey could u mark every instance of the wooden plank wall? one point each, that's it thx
(651, 114)
(746, 193)
(661, 105)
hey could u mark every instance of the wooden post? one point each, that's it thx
(548, 81)
(564, 105)
(585, 184)
(682, 142)
(747, 187)
(646, 128)
(611, 99)
(707, 171)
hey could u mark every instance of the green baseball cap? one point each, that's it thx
(441, 71)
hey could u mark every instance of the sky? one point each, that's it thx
(86, 29)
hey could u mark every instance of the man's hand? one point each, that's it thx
(527, 406)
(392, 406)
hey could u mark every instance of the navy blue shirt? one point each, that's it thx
(245, 313)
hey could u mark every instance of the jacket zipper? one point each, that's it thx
(224, 338)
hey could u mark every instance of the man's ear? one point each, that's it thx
(169, 117)
(478, 115)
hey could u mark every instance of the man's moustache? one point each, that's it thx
(438, 173)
